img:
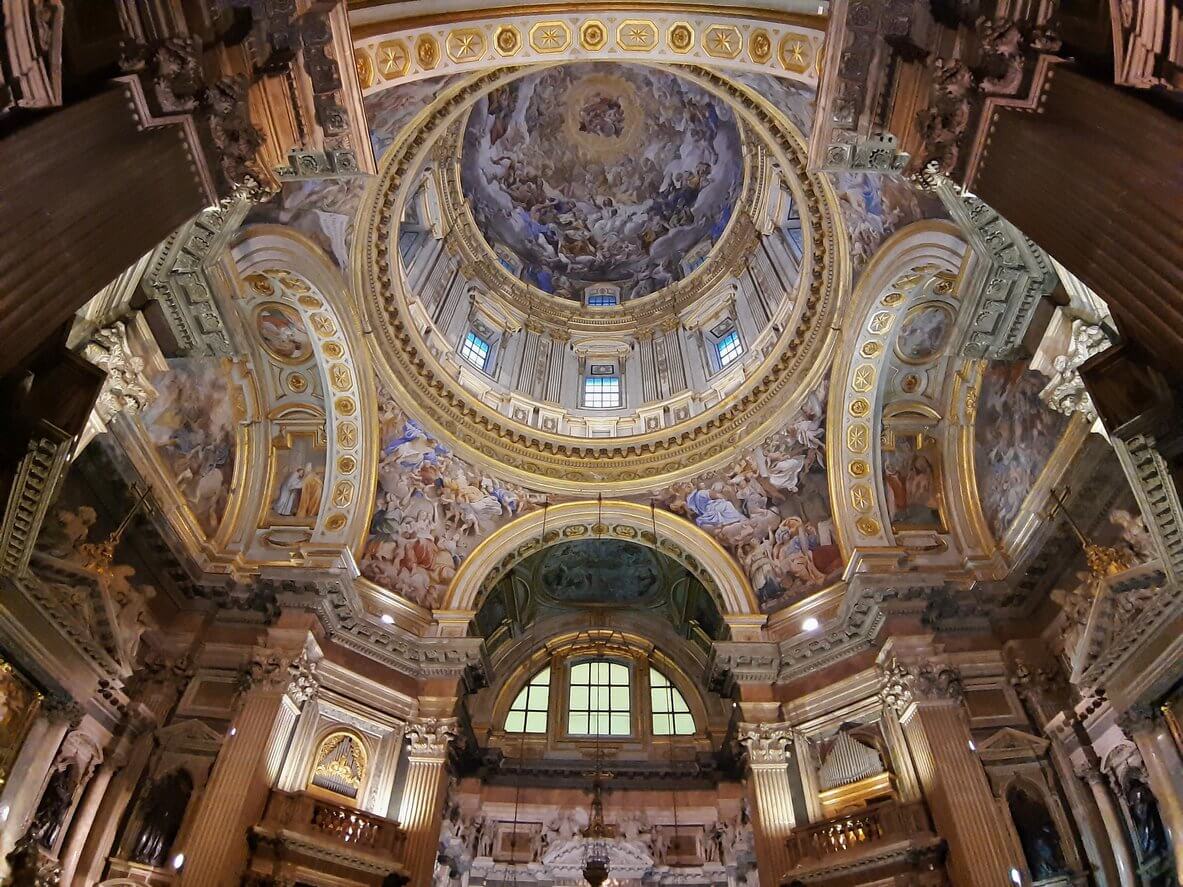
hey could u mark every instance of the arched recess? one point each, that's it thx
(277, 266)
(901, 417)
(701, 554)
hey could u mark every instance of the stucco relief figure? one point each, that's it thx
(66, 531)
(56, 801)
(1133, 533)
(1152, 840)
(163, 810)
(771, 509)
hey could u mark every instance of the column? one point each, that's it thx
(1164, 770)
(927, 695)
(421, 811)
(23, 791)
(1114, 828)
(767, 753)
(84, 817)
(274, 687)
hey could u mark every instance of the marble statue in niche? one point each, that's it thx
(164, 808)
(1037, 834)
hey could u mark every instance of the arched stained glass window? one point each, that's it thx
(671, 714)
(600, 701)
(528, 712)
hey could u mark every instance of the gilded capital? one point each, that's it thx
(429, 737)
(766, 743)
(277, 671)
(904, 683)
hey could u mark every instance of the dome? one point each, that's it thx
(603, 174)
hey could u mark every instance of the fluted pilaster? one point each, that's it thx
(926, 693)
(421, 811)
(274, 686)
(767, 748)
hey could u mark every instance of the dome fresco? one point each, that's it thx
(601, 174)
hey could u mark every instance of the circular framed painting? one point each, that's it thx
(282, 333)
(924, 333)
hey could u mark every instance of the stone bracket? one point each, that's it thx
(35, 486)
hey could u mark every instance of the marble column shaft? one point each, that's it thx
(767, 750)
(421, 810)
(234, 798)
(84, 819)
(101, 840)
(1114, 827)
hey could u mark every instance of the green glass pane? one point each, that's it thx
(580, 673)
(543, 677)
(657, 679)
(540, 698)
(515, 721)
(662, 725)
(680, 702)
(619, 725)
(536, 722)
(619, 673)
(579, 697)
(660, 700)
(619, 699)
(683, 725)
(577, 723)
(600, 698)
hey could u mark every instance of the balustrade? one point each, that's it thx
(315, 817)
(876, 824)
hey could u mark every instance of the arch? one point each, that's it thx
(782, 44)
(283, 265)
(700, 553)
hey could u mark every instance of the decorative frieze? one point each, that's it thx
(33, 489)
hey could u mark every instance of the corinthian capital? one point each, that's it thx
(902, 683)
(62, 710)
(429, 737)
(766, 743)
(1139, 719)
(277, 671)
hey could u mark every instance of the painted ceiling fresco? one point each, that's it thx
(600, 571)
(600, 173)
(1015, 436)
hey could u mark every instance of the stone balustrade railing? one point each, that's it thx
(877, 824)
(314, 817)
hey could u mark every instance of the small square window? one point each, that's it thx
(728, 348)
(601, 392)
(601, 300)
(475, 350)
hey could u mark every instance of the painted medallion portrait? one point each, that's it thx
(924, 333)
(283, 333)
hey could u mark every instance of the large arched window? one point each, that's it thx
(599, 701)
(528, 712)
(671, 714)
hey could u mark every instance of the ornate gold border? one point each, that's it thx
(626, 465)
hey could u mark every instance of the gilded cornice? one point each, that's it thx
(774, 389)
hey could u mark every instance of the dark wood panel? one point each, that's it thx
(1095, 176)
(84, 192)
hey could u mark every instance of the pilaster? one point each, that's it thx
(1123, 859)
(421, 810)
(767, 747)
(925, 690)
(274, 686)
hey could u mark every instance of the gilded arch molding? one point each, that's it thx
(700, 553)
(559, 463)
(784, 44)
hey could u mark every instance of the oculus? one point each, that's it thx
(600, 173)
